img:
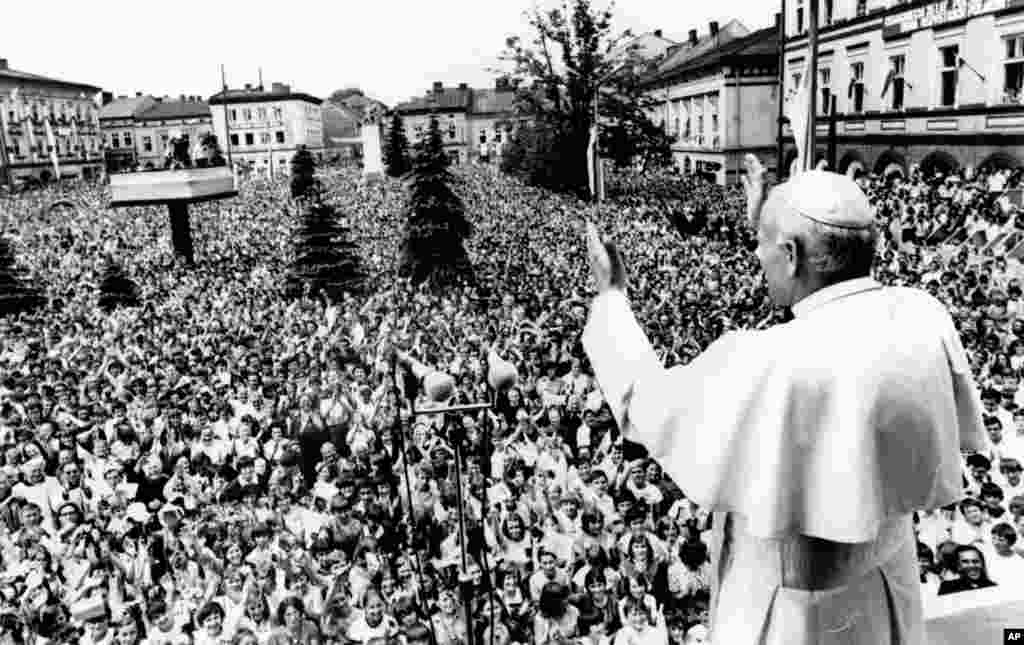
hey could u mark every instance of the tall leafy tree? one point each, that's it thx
(574, 60)
(396, 150)
(436, 224)
(16, 294)
(326, 259)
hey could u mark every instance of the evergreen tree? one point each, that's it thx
(436, 223)
(396, 150)
(116, 288)
(15, 295)
(325, 257)
(303, 167)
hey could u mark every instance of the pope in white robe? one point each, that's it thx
(814, 441)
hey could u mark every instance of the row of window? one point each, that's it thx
(260, 114)
(826, 12)
(249, 138)
(63, 149)
(894, 84)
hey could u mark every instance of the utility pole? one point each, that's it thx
(833, 136)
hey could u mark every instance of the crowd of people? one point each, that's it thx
(226, 465)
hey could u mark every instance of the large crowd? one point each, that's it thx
(226, 465)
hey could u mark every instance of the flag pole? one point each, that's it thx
(812, 85)
(780, 169)
(227, 125)
(4, 158)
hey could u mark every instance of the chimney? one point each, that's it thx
(138, 95)
(3, 63)
(713, 28)
(693, 37)
(463, 86)
(657, 33)
(248, 86)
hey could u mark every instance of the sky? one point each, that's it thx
(390, 49)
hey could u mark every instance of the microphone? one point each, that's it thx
(440, 387)
(501, 374)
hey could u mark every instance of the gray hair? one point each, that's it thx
(834, 252)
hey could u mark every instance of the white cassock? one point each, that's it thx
(812, 442)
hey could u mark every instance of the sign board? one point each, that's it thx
(938, 13)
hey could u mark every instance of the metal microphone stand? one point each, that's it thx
(397, 428)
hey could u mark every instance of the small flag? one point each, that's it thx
(75, 137)
(30, 127)
(3, 119)
(888, 81)
(591, 154)
(52, 142)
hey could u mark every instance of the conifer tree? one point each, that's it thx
(396, 150)
(436, 223)
(326, 260)
(116, 288)
(16, 295)
(303, 167)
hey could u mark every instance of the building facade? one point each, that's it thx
(938, 83)
(476, 124)
(28, 102)
(717, 96)
(136, 129)
(264, 128)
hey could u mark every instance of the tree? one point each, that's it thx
(396, 149)
(574, 59)
(116, 288)
(16, 295)
(436, 223)
(326, 260)
(303, 168)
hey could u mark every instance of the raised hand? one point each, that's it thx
(605, 262)
(753, 185)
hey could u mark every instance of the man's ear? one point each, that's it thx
(794, 255)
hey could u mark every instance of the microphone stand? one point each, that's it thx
(397, 427)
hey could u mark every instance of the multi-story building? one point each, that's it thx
(136, 129)
(475, 123)
(28, 101)
(936, 83)
(717, 95)
(264, 128)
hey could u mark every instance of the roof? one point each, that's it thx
(25, 77)
(449, 99)
(764, 42)
(680, 57)
(648, 46)
(494, 101)
(126, 108)
(230, 96)
(162, 110)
